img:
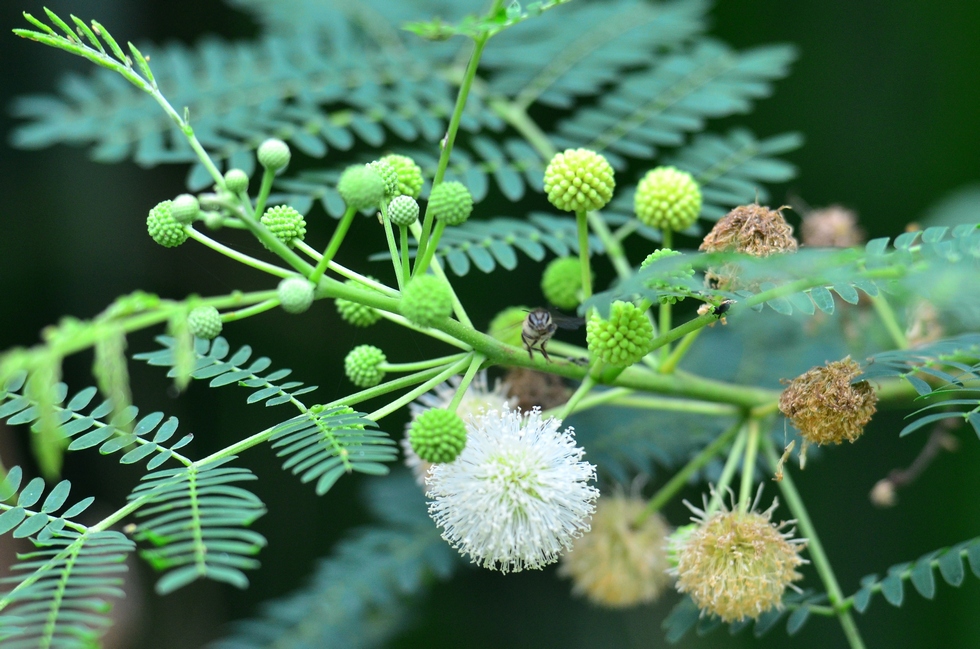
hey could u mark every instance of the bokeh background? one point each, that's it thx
(887, 93)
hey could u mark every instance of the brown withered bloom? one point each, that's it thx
(831, 227)
(752, 229)
(825, 406)
(532, 388)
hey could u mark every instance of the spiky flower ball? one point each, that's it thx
(668, 199)
(204, 322)
(274, 154)
(437, 435)
(621, 340)
(163, 227)
(517, 495)
(363, 366)
(425, 300)
(506, 325)
(738, 564)
(451, 202)
(285, 223)
(389, 175)
(409, 174)
(295, 294)
(619, 563)
(826, 406)
(185, 209)
(236, 181)
(403, 210)
(668, 279)
(579, 179)
(561, 282)
(355, 313)
(361, 187)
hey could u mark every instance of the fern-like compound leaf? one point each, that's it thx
(324, 443)
(58, 595)
(196, 519)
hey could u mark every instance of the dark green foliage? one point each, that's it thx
(60, 591)
(196, 521)
(212, 364)
(361, 596)
(325, 443)
(686, 616)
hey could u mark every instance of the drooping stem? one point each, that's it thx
(820, 561)
(334, 245)
(240, 257)
(241, 314)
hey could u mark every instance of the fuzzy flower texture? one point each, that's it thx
(518, 495)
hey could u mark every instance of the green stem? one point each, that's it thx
(393, 248)
(464, 384)
(237, 256)
(403, 240)
(614, 251)
(241, 314)
(438, 272)
(680, 479)
(334, 245)
(428, 331)
(734, 456)
(268, 239)
(675, 405)
(421, 365)
(343, 271)
(665, 307)
(820, 561)
(408, 397)
(264, 190)
(887, 316)
(748, 466)
(679, 352)
(581, 220)
(422, 264)
(583, 389)
(592, 401)
(388, 386)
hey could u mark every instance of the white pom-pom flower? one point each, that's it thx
(479, 398)
(517, 495)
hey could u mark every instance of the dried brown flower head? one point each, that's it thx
(619, 563)
(825, 406)
(738, 564)
(752, 229)
(831, 227)
(532, 388)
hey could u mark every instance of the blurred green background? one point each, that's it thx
(887, 94)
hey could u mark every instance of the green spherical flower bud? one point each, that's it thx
(561, 282)
(295, 294)
(163, 227)
(451, 202)
(389, 175)
(664, 280)
(214, 220)
(355, 313)
(506, 325)
(579, 179)
(625, 338)
(362, 366)
(409, 174)
(361, 187)
(425, 300)
(437, 435)
(285, 222)
(236, 181)
(274, 154)
(403, 210)
(204, 322)
(185, 209)
(668, 199)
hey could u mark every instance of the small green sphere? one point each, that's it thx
(236, 181)
(426, 300)
(664, 281)
(389, 175)
(355, 313)
(437, 435)
(185, 209)
(668, 199)
(409, 174)
(403, 210)
(214, 220)
(451, 202)
(274, 154)
(163, 227)
(204, 322)
(506, 325)
(625, 338)
(286, 223)
(361, 187)
(362, 366)
(561, 282)
(579, 179)
(295, 294)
